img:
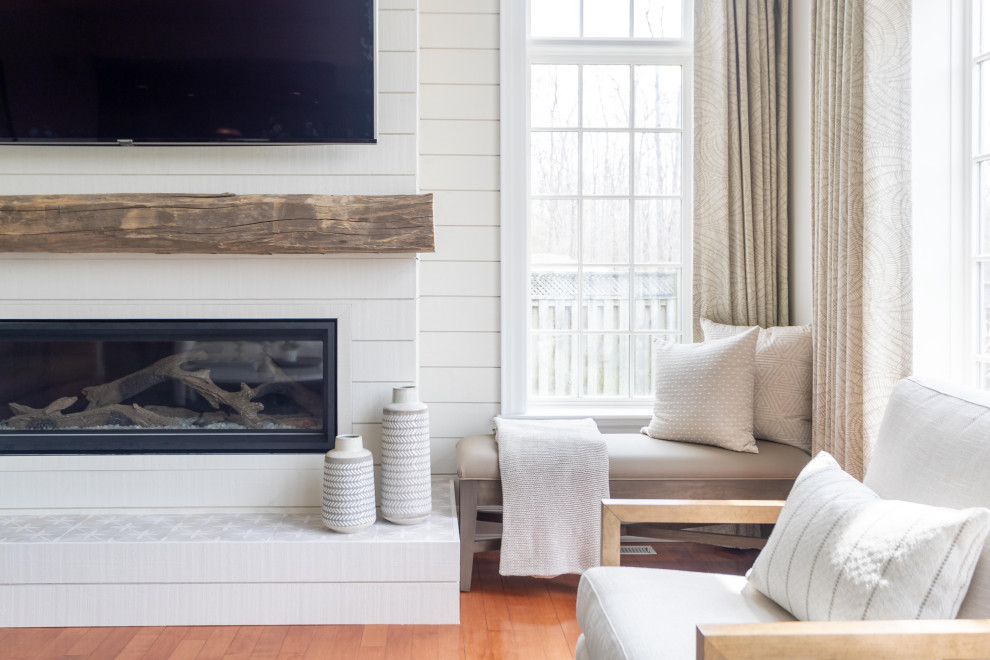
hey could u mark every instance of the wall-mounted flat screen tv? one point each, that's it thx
(187, 71)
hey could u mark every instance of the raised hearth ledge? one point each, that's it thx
(214, 568)
(174, 223)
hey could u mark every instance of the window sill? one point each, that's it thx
(609, 420)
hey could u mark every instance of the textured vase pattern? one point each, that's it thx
(349, 492)
(406, 482)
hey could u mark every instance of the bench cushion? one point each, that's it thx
(637, 456)
(642, 613)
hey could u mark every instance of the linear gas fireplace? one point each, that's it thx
(167, 386)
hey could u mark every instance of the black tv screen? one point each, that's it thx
(187, 71)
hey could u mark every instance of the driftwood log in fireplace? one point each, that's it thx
(106, 403)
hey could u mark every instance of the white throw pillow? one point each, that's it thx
(782, 401)
(841, 553)
(704, 392)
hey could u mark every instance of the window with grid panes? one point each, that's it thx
(608, 204)
(981, 184)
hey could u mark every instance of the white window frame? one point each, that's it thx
(517, 53)
(971, 243)
(941, 194)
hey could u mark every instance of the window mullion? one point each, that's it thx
(577, 363)
(631, 312)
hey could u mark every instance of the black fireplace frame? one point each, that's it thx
(179, 441)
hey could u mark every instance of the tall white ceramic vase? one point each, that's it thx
(348, 486)
(406, 487)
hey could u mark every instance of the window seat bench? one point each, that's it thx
(639, 467)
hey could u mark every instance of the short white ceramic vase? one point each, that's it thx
(348, 486)
(406, 482)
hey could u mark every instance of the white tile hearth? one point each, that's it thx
(198, 568)
(221, 527)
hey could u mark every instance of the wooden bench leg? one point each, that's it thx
(468, 523)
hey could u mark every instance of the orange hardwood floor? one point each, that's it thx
(502, 617)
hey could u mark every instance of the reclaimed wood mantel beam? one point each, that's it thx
(215, 224)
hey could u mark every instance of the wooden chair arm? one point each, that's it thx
(846, 640)
(615, 513)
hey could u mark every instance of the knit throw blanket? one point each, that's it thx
(554, 477)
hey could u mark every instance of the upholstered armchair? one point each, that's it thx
(933, 448)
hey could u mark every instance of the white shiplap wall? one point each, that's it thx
(377, 294)
(459, 164)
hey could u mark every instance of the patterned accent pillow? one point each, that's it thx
(841, 553)
(704, 392)
(782, 404)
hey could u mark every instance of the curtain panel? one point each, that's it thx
(740, 162)
(861, 219)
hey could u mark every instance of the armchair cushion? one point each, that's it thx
(652, 613)
(933, 447)
(841, 553)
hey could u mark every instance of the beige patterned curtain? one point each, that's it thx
(740, 162)
(861, 218)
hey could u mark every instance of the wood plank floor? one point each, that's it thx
(502, 617)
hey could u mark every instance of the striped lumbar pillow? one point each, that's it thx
(840, 553)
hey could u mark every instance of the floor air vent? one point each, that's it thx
(637, 550)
